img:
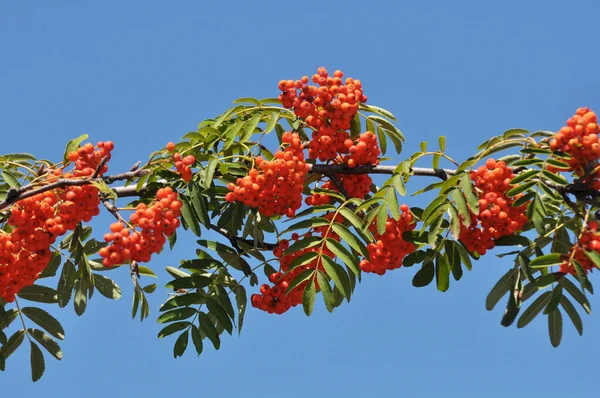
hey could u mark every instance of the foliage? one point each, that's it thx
(242, 176)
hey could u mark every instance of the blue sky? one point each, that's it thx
(144, 73)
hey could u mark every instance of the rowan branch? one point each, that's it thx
(235, 239)
(27, 191)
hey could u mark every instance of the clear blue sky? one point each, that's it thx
(146, 72)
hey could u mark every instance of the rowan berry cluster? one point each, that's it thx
(156, 221)
(589, 241)
(87, 158)
(39, 220)
(275, 299)
(328, 108)
(365, 152)
(183, 165)
(274, 187)
(579, 138)
(356, 186)
(389, 248)
(497, 217)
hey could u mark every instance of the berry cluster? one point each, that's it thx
(497, 217)
(87, 158)
(356, 186)
(579, 138)
(39, 220)
(589, 241)
(328, 108)
(365, 152)
(275, 299)
(184, 165)
(276, 186)
(156, 221)
(389, 248)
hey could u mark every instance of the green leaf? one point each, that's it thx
(107, 287)
(425, 275)
(352, 217)
(467, 187)
(250, 127)
(38, 365)
(178, 314)
(53, 265)
(442, 274)
(208, 327)
(546, 260)
(512, 309)
(500, 289)
(189, 282)
(38, 293)
(461, 207)
(442, 143)
(223, 298)
(253, 101)
(326, 291)
(454, 222)
(145, 271)
(181, 344)
(545, 280)
(524, 176)
(308, 297)
(376, 109)
(45, 320)
(310, 223)
(210, 172)
(173, 328)
(573, 314)
(399, 184)
(303, 259)
(12, 344)
(594, 256)
(555, 300)
(303, 244)
(338, 275)
(232, 132)
(66, 283)
(343, 254)
(182, 300)
(47, 342)
(300, 278)
(188, 215)
(519, 189)
(215, 309)
(273, 118)
(514, 132)
(177, 273)
(241, 303)
(350, 239)
(534, 309)
(73, 145)
(80, 301)
(557, 179)
(382, 217)
(577, 294)
(380, 136)
(197, 339)
(555, 326)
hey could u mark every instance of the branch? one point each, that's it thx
(234, 239)
(27, 191)
(343, 169)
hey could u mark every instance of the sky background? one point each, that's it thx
(142, 73)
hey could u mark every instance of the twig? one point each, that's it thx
(234, 239)
(99, 167)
